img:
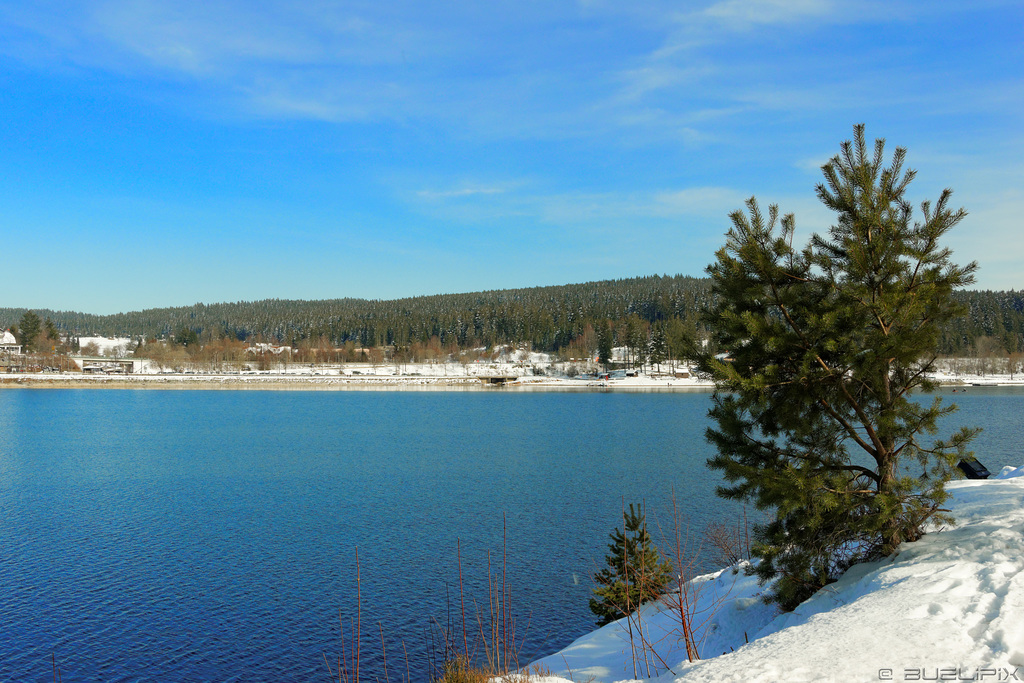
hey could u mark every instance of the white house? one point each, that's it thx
(8, 344)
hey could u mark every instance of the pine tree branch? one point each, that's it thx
(879, 448)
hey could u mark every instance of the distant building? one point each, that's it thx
(9, 345)
(260, 347)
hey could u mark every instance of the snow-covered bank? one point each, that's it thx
(408, 375)
(104, 362)
(275, 380)
(947, 607)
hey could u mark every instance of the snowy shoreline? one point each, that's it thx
(298, 382)
(946, 607)
(424, 379)
(513, 369)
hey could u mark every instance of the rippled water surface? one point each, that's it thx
(211, 535)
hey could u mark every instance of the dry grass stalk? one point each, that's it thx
(349, 660)
(493, 654)
(495, 648)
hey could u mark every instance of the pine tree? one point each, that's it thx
(814, 417)
(635, 572)
(604, 344)
(30, 326)
(186, 337)
(657, 345)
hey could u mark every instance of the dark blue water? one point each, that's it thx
(211, 535)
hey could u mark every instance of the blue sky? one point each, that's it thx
(158, 153)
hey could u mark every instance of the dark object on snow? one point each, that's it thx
(973, 469)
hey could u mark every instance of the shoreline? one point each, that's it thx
(322, 383)
(291, 382)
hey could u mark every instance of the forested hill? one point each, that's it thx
(549, 318)
(994, 319)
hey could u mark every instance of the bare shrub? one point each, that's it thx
(728, 544)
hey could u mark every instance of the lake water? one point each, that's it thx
(211, 535)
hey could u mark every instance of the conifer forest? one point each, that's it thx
(548, 319)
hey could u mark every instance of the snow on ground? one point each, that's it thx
(114, 347)
(148, 372)
(531, 369)
(947, 607)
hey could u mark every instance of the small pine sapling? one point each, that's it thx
(635, 573)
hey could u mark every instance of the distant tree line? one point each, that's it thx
(995, 320)
(645, 315)
(545, 318)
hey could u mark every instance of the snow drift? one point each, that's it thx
(947, 607)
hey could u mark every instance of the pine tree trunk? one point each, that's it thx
(891, 531)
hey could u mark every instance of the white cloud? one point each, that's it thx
(812, 165)
(312, 60)
(220, 38)
(296, 96)
(487, 203)
(460, 192)
(741, 14)
(992, 235)
(697, 201)
(656, 76)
